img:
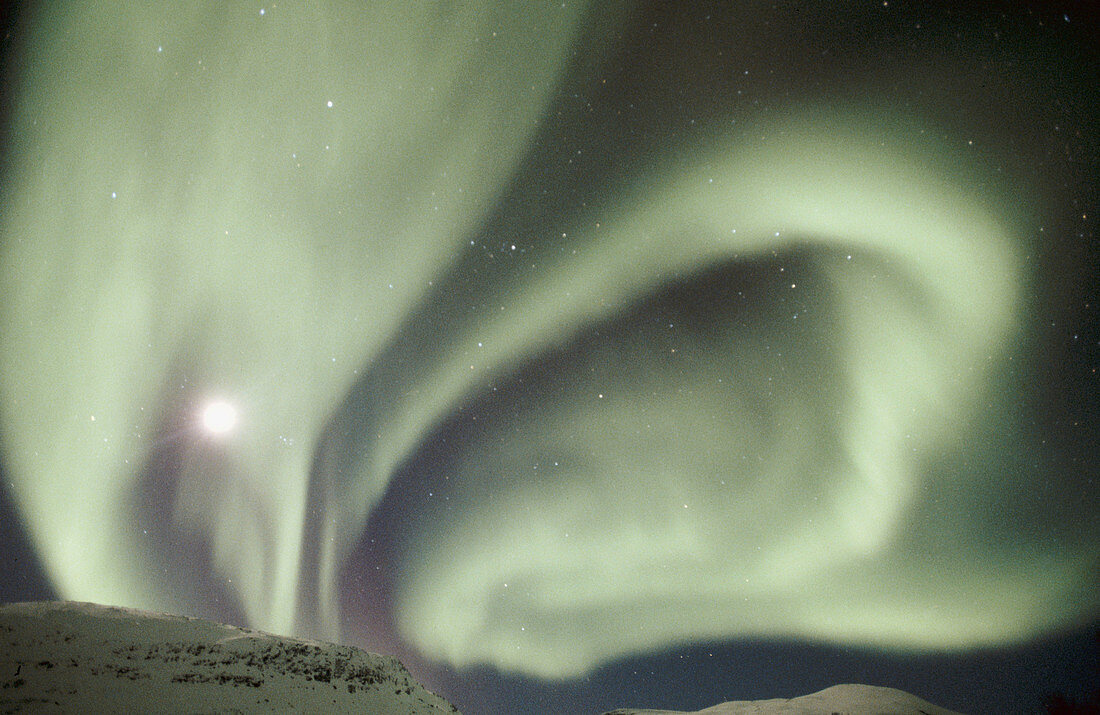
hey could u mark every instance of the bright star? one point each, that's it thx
(218, 417)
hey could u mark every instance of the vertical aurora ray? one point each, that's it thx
(221, 169)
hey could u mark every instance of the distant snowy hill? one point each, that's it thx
(837, 700)
(81, 657)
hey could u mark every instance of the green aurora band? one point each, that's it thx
(294, 210)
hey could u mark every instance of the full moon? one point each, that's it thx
(218, 417)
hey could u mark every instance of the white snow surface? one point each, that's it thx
(82, 657)
(837, 700)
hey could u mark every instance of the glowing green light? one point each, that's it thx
(206, 199)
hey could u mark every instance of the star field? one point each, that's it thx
(548, 345)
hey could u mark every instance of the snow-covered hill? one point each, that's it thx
(837, 700)
(81, 657)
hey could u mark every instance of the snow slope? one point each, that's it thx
(837, 700)
(82, 657)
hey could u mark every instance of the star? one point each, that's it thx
(219, 417)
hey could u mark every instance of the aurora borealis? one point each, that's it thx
(552, 335)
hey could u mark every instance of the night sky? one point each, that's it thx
(581, 357)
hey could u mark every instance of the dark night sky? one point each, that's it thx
(642, 356)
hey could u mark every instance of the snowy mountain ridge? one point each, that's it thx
(837, 700)
(83, 657)
(61, 657)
